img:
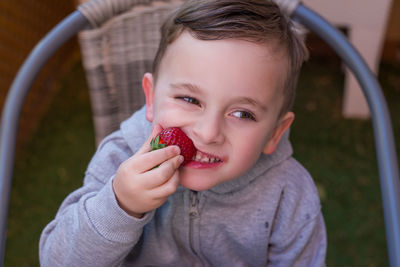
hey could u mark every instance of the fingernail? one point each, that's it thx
(181, 158)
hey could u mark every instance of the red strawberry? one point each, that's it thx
(175, 136)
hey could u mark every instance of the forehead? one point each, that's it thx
(229, 66)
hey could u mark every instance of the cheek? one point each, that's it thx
(249, 156)
(167, 114)
(249, 147)
(244, 160)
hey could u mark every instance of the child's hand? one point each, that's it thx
(138, 186)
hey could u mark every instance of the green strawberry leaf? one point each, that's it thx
(155, 143)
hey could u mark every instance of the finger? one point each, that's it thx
(146, 146)
(160, 175)
(150, 160)
(168, 188)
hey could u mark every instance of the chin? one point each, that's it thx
(196, 182)
(195, 185)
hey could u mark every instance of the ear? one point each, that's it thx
(281, 127)
(148, 89)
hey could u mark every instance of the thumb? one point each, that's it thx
(146, 146)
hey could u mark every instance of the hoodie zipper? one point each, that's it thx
(193, 214)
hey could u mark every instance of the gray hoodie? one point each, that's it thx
(270, 216)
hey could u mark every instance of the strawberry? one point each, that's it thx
(175, 136)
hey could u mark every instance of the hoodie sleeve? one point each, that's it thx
(90, 229)
(299, 236)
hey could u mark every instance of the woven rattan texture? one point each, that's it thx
(115, 57)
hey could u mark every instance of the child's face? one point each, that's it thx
(226, 96)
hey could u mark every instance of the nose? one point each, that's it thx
(208, 129)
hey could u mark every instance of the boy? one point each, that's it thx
(225, 73)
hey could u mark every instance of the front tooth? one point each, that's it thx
(205, 160)
(198, 157)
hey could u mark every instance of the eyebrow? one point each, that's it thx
(251, 101)
(191, 87)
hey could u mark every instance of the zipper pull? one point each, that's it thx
(194, 201)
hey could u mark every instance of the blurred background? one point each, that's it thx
(56, 138)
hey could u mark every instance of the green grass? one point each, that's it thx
(339, 153)
(48, 168)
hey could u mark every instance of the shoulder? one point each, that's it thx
(299, 203)
(111, 152)
(119, 146)
(299, 192)
(298, 232)
(298, 180)
(291, 188)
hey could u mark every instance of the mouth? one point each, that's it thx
(205, 158)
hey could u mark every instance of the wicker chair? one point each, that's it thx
(116, 53)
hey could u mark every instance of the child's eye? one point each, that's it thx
(244, 115)
(189, 99)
